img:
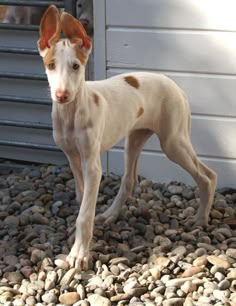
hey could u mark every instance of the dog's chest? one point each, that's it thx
(64, 128)
(68, 123)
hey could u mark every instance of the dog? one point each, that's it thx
(85, 14)
(91, 116)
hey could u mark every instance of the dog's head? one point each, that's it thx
(64, 59)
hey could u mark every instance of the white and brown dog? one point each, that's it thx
(90, 117)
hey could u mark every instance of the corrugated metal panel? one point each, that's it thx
(25, 107)
(25, 103)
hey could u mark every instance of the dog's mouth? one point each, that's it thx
(63, 102)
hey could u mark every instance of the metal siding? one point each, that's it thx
(25, 103)
(168, 50)
(21, 63)
(177, 14)
(30, 89)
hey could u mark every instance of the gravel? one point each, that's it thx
(150, 256)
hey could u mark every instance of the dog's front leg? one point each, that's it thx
(92, 172)
(75, 165)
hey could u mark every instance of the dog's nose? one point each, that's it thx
(62, 95)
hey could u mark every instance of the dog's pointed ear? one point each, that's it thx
(75, 31)
(50, 30)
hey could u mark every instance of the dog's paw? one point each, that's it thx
(195, 222)
(201, 220)
(200, 223)
(105, 219)
(78, 258)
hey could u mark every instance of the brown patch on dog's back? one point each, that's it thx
(132, 81)
(140, 112)
(96, 99)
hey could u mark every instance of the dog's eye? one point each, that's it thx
(51, 66)
(75, 66)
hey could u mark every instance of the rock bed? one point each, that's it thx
(150, 256)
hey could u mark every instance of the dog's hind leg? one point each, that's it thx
(134, 143)
(178, 148)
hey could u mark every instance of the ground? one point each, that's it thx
(150, 256)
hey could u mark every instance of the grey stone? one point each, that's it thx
(12, 221)
(219, 276)
(224, 284)
(95, 282)
(108, 191)
(13, 277)
(130, 284)
(164, 218)
(177, 282)
(37, 256)
(224, 231)
(81, 291)
(11, 260)
(175, 189)
(108, 281)
(232, 274)
(180, 251)
(231, 253)
(97, 300)
(219, 262)
(174, 224)
(137, 291)
(68, 276)
(118, 260)
(220, 295)
(173, 301)
(30, 301)
(50, 281)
